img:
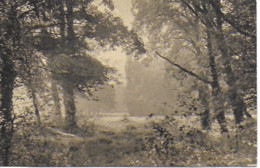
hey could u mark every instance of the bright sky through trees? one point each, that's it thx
(117, 58)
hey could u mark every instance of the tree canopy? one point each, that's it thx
(195, 39)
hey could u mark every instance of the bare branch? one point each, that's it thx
(184, 70)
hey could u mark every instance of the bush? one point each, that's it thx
(171, 144)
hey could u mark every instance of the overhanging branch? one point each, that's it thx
(229, 21)
(184, 70)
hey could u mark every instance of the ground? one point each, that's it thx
(121, 141)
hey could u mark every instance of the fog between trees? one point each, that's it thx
(190, 87)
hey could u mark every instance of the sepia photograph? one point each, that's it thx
(128, 83)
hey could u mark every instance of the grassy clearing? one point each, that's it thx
(92, 145)
(124, 142)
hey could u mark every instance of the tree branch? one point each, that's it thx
(184, 70)
(235, 26)
(192, 10)
(38, 26)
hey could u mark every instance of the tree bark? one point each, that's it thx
(56, 99)
(70, 28)
(69, 103)
(62, 21)
(236, 100)
(216, 90)
(35, 105)
(6, 109)
(204, 93)
(214, 84)
(203, 97)
(67, 86)
(34, 99)
(8, 75)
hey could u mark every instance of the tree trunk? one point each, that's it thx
(203, 97)
(62, 21)
(35, 105)
(205, 122)
(69, 103)
(206, 20)
(236, 100)
(70, 28)
(67, 86)
(202, 88)
(6, 109)
(216, 90)
(56, 99)
(34, 99)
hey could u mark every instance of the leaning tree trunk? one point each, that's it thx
(203, 90)
(216, 90)
(204, 16)
(69, 103)
(34, 99)
(6, 109)
(236, 100)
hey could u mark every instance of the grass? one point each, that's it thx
(123, 142)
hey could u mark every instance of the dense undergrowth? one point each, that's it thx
(173, 144)
(164, 143)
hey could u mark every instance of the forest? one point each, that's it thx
(128, 83)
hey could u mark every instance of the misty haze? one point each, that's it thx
(128, 83)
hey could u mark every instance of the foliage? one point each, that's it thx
(49, 47)
(83, 70)
(80, 149)
(35, 33)
(195, 37)
(171, 143)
